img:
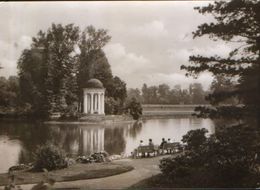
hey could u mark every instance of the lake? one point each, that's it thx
(18, 141)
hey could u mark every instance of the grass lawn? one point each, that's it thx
(73, 172)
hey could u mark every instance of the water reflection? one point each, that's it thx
(91, 140)
(18, 141)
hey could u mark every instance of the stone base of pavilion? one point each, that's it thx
(106, 119)
(93, 118)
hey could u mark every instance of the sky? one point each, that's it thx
(150, 40)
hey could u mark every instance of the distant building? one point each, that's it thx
(94, 97)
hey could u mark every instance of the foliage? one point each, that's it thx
(112, 106)
(230, 157)
(220, 161)
(9, 92)
(236, 22)
(135, 109)
(133, 93)
(162, 94)
(50, 157)
(195, 139)
(92, 63)
(53, 72)
(118, 89)
(222, 87)
(47, 69)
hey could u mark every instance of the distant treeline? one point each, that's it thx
(195, 94)
(163, 94)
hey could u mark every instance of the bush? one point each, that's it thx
(135, 109)
(112, 106)
(225, 159)
(50, 157)
(195, 139)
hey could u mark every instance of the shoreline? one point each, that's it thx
(105, 122)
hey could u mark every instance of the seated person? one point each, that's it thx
(151, 142)
(141, 143)
(162, 144)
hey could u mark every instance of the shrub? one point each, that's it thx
(195, 139)
(112, 106)
(135, 109)
(225, 159)
(50, 157)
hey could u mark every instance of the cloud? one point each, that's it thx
(152, 29)
(149, 39)
(127, 65)
(181, 56)
(9, 54)
(123, 62)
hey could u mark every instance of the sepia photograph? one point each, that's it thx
(129, 94)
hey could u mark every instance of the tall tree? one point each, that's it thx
(197, 93)
(229, 158)
(236, 21)
(163, 93)
(93, 63)
(133, 93)
(220, 86)
(92, 59)
(47, 70)
(145, 93)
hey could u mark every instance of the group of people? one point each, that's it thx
(152, 144)
(155, 149)
(165, 142)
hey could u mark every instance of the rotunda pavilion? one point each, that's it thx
(94, 97)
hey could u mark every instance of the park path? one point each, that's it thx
(143, 168)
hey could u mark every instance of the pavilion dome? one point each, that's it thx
(94, 83)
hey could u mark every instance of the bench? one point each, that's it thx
(173, 147)
(147, 150)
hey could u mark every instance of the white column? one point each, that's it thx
(103, 103)
(91, 107)
(85, 100)
(99, 103)
(96, 102)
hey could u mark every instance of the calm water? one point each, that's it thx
(19, 140)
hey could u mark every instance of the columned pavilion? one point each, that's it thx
(94, 97)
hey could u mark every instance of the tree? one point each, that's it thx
(163, 93)
(133, 93)
(93, 63)
(218, 161)
(92, 60)
(32, 72)
(118, 90)
(195, 139)
(236, 21)
(47, 70)
(197, 93)
(145, 93)
(135, 109)
(52, 72)
(9, 92)
(219, 87)
(230, 157)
